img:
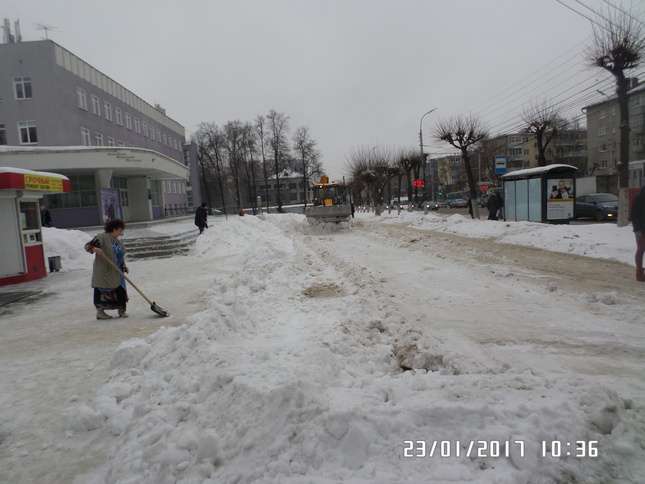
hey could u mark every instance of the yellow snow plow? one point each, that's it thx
(330, 203)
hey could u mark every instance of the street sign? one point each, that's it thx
(500, 164)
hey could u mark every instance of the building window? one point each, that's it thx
(602, 113)
(3, 135)
(152, 133)
(98, 137)
(121, 183)
(636, 121)
(137, 125)
(634, 101)
(96, 105)
(85, 137)
(119, 118)
(603, 147)
(145, 129)
(82, 194)
(108, 110)
(28, 135)
(82, 99)
(602, 131)
(163, 136)
(159, 136)
(110, 141)
(603, 164)
(128, 121)
(22, 87)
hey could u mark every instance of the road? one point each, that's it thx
(484, 307)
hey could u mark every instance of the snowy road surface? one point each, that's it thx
(386, 353)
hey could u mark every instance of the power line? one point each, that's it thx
(624, 12)
(579, 13)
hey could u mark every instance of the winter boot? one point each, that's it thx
(122, 313)
(101, 314)
(640, 275)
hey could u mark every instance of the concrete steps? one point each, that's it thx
(159, 246)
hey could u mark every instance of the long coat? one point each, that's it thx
(103, 274)
(494, 205)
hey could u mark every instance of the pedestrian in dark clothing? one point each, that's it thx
(353, 209)
(201, 218)
(45, 216)
(638, 222)
(470, 207)
(494, 204)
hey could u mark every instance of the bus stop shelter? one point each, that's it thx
(543, 194)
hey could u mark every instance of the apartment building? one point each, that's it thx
(123, 156)
(603, 132)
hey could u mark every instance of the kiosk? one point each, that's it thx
(22, 257)
(542, 194)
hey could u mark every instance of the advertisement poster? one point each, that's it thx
(111, 208)
(560, 198)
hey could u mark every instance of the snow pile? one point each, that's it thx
(299, 370)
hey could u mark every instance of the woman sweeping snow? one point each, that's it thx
(109, 286)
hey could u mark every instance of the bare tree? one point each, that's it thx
(373, 170)
(260, 130)
(411, 163)
(308, 157)
(233, 138)
(278, 124)
(545, 121)
(249, 147)
(200, 138)
(462, 132)
(618, 45)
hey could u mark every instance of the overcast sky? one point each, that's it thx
(358, 73)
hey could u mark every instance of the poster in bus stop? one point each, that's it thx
(560, 198)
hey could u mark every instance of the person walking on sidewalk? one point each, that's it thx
(201, 218)
(638, 223)
(109, 286)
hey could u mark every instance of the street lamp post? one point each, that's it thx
(423, 157)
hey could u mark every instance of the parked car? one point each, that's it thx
(459, 203)
(441, 204)
(601, 206)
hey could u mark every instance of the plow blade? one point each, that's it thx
(328, 214)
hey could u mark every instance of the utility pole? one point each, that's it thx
(423, 158)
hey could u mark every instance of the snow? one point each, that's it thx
(288, 366)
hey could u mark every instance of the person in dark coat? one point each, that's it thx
(45, 216)
(201, 218)
(638, 222)
(494, 204)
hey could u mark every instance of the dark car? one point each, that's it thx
(429, 204)
(601, 206)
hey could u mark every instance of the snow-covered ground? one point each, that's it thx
(385, 353)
